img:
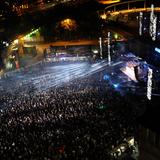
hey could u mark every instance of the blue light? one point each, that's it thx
(115, 86)
(157, 50)
(106, 77)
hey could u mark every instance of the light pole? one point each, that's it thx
(100, 46)
(140, 23)
(109, 48)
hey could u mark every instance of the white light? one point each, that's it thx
(154, 28)
(122, 148)
(119, 152)
(149, 83)
(129, 71)
(9, 65)
(95, 51)
(63, 59)
(16, 41)
(103, 16)
(153, 23)
(5, 43)
(157, 50)
(131, 142)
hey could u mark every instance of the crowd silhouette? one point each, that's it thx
(84, 119)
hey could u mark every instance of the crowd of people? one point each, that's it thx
(84, 119)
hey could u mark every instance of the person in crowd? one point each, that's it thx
(84, 119)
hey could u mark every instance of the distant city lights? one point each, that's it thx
(103, 16)
(15, 41)
(68, 24)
